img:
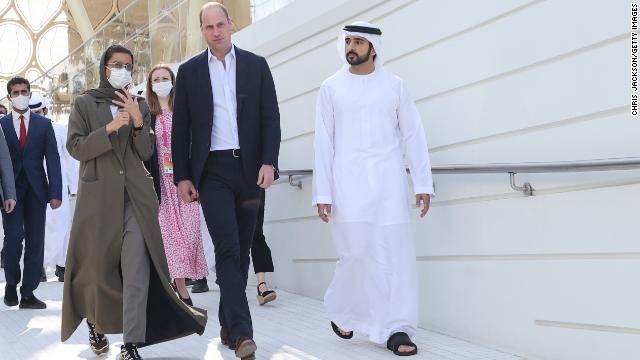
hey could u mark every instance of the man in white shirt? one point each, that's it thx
(225, 145)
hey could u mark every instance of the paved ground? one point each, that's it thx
(292, 327)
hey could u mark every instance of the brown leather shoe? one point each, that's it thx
(246, 348)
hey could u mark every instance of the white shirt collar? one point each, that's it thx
(231, 52)
(16, 115)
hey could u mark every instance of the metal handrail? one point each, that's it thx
(511, 169)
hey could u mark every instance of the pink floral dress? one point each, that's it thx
(179, 221)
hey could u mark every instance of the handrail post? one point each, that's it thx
(295, 184)
(527, 188)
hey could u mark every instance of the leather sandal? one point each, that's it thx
(336, 330)
(398, 339)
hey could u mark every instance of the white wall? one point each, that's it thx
(554, 276)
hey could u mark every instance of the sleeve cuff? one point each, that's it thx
(102, 139)
(177, 178)
(322, 200)
(424, 190)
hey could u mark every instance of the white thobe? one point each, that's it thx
(364, 126)
(58, 224)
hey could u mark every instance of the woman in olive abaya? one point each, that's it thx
(116, 271)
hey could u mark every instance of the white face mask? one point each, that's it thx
(162, 89)
(20, 102)
(120, 78)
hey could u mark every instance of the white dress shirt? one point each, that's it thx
(224, 132)
(16, 121)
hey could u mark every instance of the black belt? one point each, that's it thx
(231, 153)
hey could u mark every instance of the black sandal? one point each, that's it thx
(336, 330)
(187, 301)
(265, 296)
(398, 339)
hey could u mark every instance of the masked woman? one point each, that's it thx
(179, 221)
(116, 271)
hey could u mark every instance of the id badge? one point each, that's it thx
(167, 164)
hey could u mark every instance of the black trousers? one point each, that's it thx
(25, 223)
(260, 252)
(230, 206)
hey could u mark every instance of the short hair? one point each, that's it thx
(116, 48)
(3, 107)
(15, 81)
(217, 5)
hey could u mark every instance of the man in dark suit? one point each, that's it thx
(31, 141)
(225, 145)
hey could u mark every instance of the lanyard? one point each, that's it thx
(165, 131)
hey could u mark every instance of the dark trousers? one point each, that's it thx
(26, 222)
(4, 245)
(230, 206)
(260, 252)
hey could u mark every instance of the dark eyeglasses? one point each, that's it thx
(118, 66)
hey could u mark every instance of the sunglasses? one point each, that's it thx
(118, 66)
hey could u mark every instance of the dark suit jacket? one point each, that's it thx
(258, 117)
(41, 144)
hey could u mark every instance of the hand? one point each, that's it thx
(324, 211)
(121, 119)
(130, 104)
(426, 201)
(187, 191)
(55, 203)
(265, 176)
(9, 205)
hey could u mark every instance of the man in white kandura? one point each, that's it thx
(365, 122)
(58, 224)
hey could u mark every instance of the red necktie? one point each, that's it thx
(23, 133)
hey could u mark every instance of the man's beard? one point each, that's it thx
(359, 59)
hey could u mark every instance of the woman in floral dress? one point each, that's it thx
(179, 221)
